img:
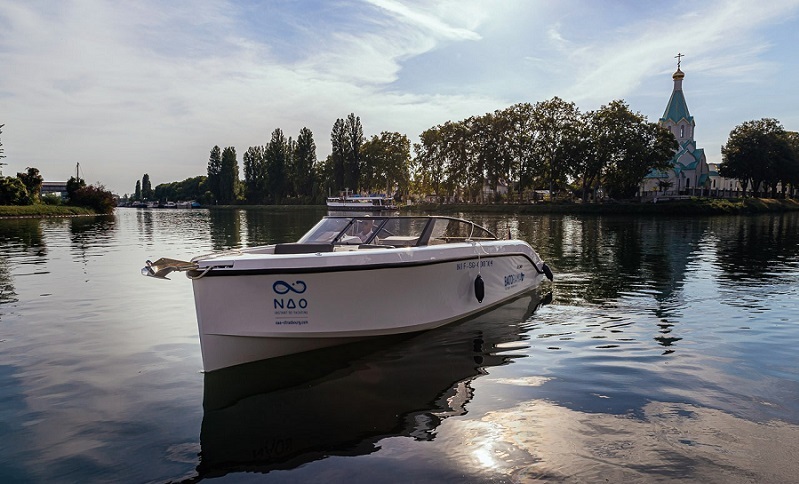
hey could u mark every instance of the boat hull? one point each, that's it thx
(250, 315)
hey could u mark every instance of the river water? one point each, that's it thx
(665, 350)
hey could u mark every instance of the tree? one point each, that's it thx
(556, 132)
(276, 158)
(228, 176)
(338, 153)
(255, 177)
(352, 162)
(630, 148)
(146, 187)
(792, 177)
(386, 162)
(33, 182)
(291, 168)
(137, 192)
(758, 154)
(214, 171)
(189, 189)
(13, 191)
(73, 185)
(429, 165)
(618, 147)
(522, 165)
(95, 197)
(304, 163)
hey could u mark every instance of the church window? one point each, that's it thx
(682, 131)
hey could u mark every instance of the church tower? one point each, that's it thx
(676, 117)
(689, 169)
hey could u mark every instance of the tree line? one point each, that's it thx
(550, 146)
(762, 156)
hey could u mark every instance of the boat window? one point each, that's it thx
(454, 230)
(325, 231)
(401, 232)
(361, 231)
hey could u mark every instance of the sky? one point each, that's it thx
(151, 86)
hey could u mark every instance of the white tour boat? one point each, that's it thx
(347, 279)
(361, 203)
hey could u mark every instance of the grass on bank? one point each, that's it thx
(43, 210)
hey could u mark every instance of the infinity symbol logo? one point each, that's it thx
(282, 287)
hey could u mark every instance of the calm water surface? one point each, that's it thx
(666, 349)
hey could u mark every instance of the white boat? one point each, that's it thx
(361, 203)
(347, 279)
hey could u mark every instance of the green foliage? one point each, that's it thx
(386, 162)
(13, 192)
(52, 199)
(94, 197)
(304, 164)
(633, 146)
(42, 210)
(214, 173)
(255, 176)
(32, 181)
(146, 188)
(760, 154)
(189, 189)
(352, 160)
(137, 192)
(338, 154)
(73, 185)
(228, 177)
(276, 158)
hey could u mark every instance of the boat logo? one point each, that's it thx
(282, 287)
(290, 305)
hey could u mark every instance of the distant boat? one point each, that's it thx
(188, 204)
(362, 203)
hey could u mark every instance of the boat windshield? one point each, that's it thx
(457, 230)
(394, 231)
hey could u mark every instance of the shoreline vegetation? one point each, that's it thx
(696, 206)
(44, 211)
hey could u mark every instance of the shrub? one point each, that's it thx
(13, 192)
(95, 197)
(52, 199)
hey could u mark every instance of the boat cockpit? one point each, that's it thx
(383, 232)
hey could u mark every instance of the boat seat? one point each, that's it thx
(295, 248)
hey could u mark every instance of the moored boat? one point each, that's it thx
(361, 203)
(347, 279)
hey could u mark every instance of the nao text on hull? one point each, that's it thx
(347, 279)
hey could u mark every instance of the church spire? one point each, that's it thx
(677, 108)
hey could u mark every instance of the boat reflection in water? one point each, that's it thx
(285, 412)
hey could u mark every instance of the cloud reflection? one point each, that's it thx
(542, 440)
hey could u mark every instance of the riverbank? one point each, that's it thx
(698, 206)
(41, 211)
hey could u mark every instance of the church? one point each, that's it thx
(690, 174)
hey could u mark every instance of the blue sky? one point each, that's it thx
(127, 88)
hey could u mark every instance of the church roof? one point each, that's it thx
(677, 108)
